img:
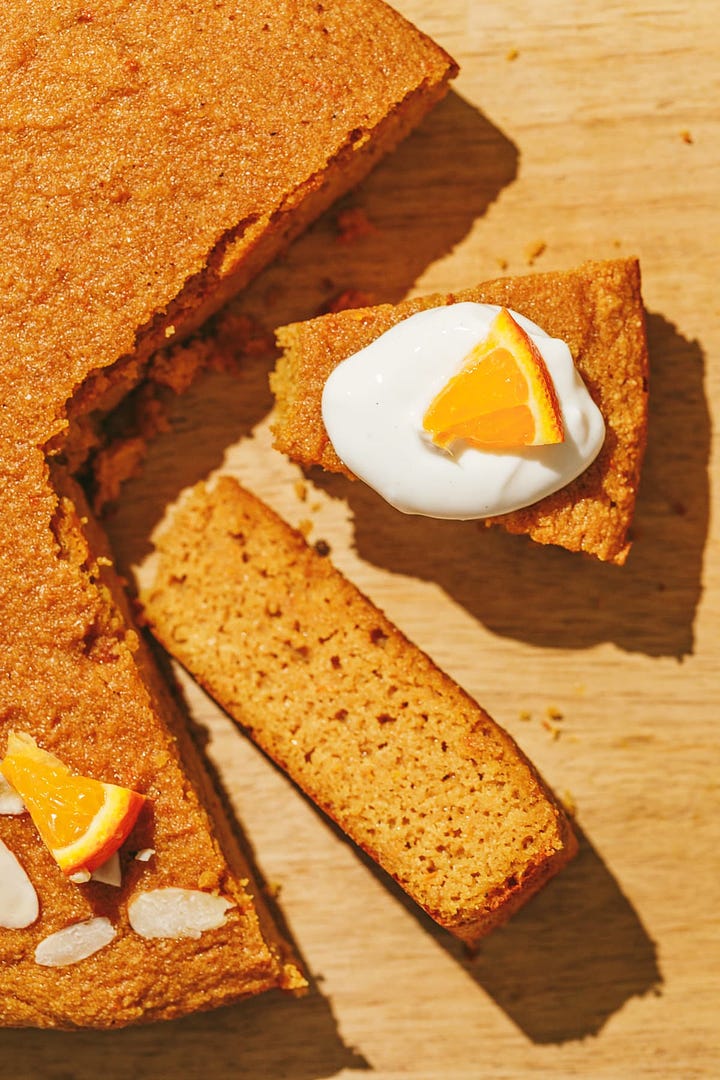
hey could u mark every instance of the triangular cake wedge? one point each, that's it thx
(393, 750)
(596, 309)
(155, 157)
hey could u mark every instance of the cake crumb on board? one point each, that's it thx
(534, 250)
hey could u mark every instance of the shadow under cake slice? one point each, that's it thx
(409, 766)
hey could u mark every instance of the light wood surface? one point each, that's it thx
(575, 131)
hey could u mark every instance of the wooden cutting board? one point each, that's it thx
(575, 131)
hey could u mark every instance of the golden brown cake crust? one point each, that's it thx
(597, 309)
(153, 159)
(145, 144)
(385, 743)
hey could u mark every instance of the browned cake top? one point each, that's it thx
(136, 135)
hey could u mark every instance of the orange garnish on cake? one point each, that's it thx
(82, 821)
(502, 397)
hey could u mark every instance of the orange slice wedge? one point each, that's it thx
(82, 821)
(502, 397)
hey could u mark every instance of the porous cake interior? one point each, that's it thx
(390, 747)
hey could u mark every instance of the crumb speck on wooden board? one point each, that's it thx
(534, 250)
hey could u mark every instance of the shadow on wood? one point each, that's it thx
(293, 1039)
(567, 961)
(575, 955)
(417, 206)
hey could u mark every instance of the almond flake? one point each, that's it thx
(80, 877)
(74, 943)
(19, 905)
(176, 913)
(109, 873)
(145, 855)
(10, 801)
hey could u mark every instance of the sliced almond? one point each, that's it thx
(80, 877)
(75, 942)
(10, 801)
(145, 855)
(110, 872)
(19, 904)
(176, 913)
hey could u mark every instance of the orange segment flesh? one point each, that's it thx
(82, 821)
(502, 397)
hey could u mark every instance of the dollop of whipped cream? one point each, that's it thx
(373, 407)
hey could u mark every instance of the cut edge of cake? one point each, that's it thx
(240, 255)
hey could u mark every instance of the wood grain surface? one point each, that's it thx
(575, 131)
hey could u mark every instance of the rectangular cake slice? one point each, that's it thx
(394, 751)
(597, 310)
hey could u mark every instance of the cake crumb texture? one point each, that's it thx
(385, 743)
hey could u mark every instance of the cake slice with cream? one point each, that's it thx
(358, 392)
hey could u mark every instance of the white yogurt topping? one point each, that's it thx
(374, 402)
